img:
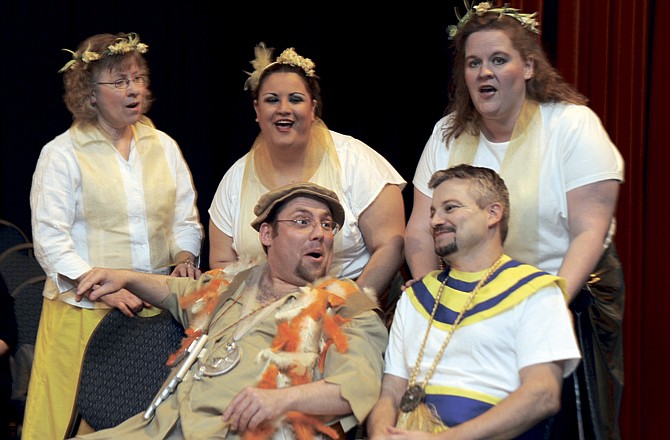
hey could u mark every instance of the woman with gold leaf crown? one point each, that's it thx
(295, 145)
(511, 111)
(111, 191)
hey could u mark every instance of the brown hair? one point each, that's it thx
(488, 187)
(312, 82)
(546, 85)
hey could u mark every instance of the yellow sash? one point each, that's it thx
(323, 167)
(521, 171)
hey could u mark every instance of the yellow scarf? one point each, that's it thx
(323, 167)
(521, 171)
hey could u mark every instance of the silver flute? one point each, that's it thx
(177, 375)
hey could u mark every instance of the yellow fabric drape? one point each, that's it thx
(521, 171)
(322, 166)
(105, 200)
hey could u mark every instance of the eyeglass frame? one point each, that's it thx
(334, 227)
(143, 82)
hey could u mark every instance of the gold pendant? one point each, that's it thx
(412, 398)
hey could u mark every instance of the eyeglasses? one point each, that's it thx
(308, 223)
(124, 83)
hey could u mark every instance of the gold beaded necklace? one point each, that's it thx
(415, 393)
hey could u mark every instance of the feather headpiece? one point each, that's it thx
(263, 60)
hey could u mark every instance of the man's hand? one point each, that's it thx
(252, 406)
(98, 282)
(109, 286)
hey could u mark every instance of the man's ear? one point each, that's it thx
(265, 234)
(495, 211)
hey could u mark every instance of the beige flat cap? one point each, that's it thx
(269, 201)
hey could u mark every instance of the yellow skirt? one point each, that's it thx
(62, 336)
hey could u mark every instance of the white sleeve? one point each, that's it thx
(53, 202)
(187, 230)
(545, 331)
(434, 157)
(588, 153)
(394, 358)
(365, 172)
(225, 206)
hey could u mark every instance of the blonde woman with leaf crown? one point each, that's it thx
(295, 145)
(512, 111)
(111, 191)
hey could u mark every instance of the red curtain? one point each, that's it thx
(605, 48)
(651, 318)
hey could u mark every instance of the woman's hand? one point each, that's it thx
(125, 301)
(187, 268)
(408, 284)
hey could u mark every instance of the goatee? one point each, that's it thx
(445, 250)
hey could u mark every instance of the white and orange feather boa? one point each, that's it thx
(308, 328)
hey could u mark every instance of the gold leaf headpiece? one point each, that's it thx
(121, 45)
(263, 60)
(528, 21)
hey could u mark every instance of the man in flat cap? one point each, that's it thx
(286, 348)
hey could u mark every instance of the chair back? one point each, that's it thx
(11, 235)
(28, 309)
(125, 366)
(18, 264)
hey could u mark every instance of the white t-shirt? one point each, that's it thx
(575, 151)
(364, 174)
(486, 356)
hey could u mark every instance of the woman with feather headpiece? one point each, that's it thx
(295, 145)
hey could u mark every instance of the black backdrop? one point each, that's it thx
(383, 75)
